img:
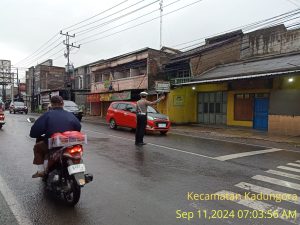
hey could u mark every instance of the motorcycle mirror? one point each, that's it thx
(31, 120)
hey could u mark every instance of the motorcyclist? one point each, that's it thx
(54, 121)
(2, 107)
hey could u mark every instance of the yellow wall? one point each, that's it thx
(185, 111)
(283, 83)
(181, 103)
(230, 107)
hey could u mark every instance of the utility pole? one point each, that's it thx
(161, 14)
(33, 90)
(66, 42)
(18, 84)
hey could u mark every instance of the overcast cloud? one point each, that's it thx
(27, 25)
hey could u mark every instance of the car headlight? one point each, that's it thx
(150, 118)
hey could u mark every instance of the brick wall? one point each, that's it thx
(284, 125)
(224, 54)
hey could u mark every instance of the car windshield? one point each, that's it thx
(70, 104)
(151, 110)
(19, 103)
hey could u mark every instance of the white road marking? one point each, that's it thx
(289, 168)
(298, 161)
(265, 191)
(283, 174)
(258, 205)
(160, 146)
(244, 154)
(293, 164)
(277, 182)
(13, 204)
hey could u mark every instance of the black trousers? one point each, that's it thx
(141, 122)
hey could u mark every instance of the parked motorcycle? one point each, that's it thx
(65, 173)
(2, 119)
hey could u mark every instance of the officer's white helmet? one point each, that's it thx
(143, 94)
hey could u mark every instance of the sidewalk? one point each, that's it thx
(230, 134)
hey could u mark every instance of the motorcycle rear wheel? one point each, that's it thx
(71, 198)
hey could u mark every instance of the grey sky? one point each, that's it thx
(27, 25)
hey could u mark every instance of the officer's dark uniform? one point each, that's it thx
(141, 117)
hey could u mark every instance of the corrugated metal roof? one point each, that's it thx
(239, 77)
(261, 67)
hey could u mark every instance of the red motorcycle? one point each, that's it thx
(65, 174)
(2, 119)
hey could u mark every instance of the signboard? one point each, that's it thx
(126, 95)
(178, 100)
(93, 98)
(162, 86)
(54, 93)
(45, 98)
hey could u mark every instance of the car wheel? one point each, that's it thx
(112, 124)
(14, 112)
(163, 132)
(26, 112)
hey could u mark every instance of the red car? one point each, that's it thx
(123, 114)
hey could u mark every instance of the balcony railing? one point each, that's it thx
(181, 80)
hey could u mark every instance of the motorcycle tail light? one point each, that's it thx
(74, 152)
(2, 117)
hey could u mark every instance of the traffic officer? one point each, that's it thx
(141, 115)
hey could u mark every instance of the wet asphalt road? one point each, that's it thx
(138, 185)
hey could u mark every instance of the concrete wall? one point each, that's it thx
(270, 41)
(284, 117)
(181, 103)
(154, 66)
(230, 107)
(284, 125)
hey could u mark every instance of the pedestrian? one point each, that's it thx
(141, 117)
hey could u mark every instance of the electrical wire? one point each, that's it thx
(140, 23)
(40, 49)
(219, 52)
(247, 27)
(95, 15)
(139, 17)
(122, 10)
(37, 49)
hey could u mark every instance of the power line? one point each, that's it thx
(122, 10)
(95, 15)
(36, 59)
(38, 49)
(140, 23)
(227, 47)
(42, 46)
(40, 52)
(244, 27)
(30, 58)
(296, 4)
